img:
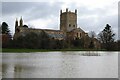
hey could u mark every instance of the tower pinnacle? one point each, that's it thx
(75, 11)
(21, 22)
(66, 9)
(16, 23)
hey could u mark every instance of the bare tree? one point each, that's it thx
(92, 34)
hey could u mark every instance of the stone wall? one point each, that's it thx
(68, 21)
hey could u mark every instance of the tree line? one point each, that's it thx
(43, 41)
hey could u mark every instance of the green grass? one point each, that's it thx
(23, 50)
(5, 50)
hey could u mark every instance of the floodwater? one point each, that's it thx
(60, 65)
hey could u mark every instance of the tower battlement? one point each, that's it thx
(61, 12)
(68, 20)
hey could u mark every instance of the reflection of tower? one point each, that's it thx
(68, 20)
(18, 71)
(21, 22)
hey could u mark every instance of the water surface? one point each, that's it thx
(60, 65)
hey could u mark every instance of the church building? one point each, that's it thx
(68, 27)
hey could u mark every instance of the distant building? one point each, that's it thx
(68, 28)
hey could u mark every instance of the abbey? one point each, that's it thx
(68, 27)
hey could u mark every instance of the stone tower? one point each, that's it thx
(16, 24)
(68, 20)
(21, 22)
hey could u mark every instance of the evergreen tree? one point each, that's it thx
(5, 29)
(106, 37)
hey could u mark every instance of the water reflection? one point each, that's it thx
(60, 65)
(19, 70)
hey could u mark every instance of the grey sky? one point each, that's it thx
(92, 16)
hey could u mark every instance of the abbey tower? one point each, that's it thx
(68, 20)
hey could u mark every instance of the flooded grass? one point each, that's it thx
(46, 50)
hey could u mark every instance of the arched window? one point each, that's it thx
(73, 25)
(77, 34)
(80, 35)
(69, 25)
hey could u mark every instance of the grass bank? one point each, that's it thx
(5, 50)
(23, 50)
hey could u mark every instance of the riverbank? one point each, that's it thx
(4, 50)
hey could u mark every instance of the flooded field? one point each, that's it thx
(60, 65)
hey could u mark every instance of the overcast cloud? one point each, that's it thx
(91, 16)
